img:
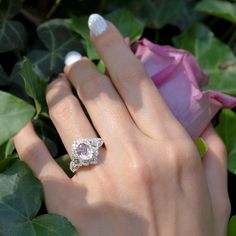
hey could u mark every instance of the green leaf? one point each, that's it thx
(80, 26)
(187, 16)
(20, 200)
(119, 18)
(64, 162)
(34, 86)
(127, 24)
(48, 134)
(58, 40)
(14, 115)
(223, 9)
(227, 131)
(20, 197)
(52, 225)
(155, 14)
(6, 149)
(214, 57)
(201, 146)
(232, 226)
(5, 163)
(12, 35)
(4, 80)
(101, 66)
(9, 8)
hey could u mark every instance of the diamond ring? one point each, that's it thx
(84, 152)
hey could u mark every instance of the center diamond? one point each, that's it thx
(85, 151)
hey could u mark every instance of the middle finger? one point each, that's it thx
(104, 105)
(137, 90)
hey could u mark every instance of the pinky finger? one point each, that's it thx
(34, 153)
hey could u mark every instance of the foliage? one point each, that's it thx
(34, 38)
(232, 226)
(227, 130)
(20, 199)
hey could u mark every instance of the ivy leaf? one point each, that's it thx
(6, 149)
(80, 26)
(5, 163)
(187, 16)
(52, 225)
(223, 9)
(20, 196)
(4, 80)
(12, 33)
(201, 146)
(119, 18)
(14, 115)
(133, 30)
(9, 8)
(64, 162)
(214, 57)
(48, 134)
(227, 131)
(20, 200)
(155, 14)
(232, 226)
(34, 86)
(58, 40)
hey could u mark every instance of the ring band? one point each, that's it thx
(84, 152)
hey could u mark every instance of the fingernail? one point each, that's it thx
(72, 57)
(97, 24)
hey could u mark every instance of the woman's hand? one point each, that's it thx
(150, 179)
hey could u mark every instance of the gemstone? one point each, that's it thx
(85, 152)
(83, 149)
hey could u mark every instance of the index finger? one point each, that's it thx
(35, 154)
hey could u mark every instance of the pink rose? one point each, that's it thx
(178, 77)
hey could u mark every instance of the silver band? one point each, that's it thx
(84, 152)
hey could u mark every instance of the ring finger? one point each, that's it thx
(66, 113)
(104, 105)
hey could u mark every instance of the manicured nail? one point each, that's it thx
(72, 57)
(97, 24)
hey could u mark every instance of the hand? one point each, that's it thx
(150, 179)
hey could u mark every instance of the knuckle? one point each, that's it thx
(110, 40)
(140, 170)
(56, 90)
(133, 72)
(61, 81)
(93, 84)
(138, 164)
(183, 158)
(63, 109)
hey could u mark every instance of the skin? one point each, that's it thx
(150, 179)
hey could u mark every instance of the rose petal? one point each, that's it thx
(178, 77)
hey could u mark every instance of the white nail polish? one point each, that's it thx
(72, 57)
(97, 24)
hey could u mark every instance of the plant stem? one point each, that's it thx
(53, 9)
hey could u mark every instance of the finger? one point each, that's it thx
(104, 105)
(66, 113)
(215, 167)
(139, 93)
(34, 153)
